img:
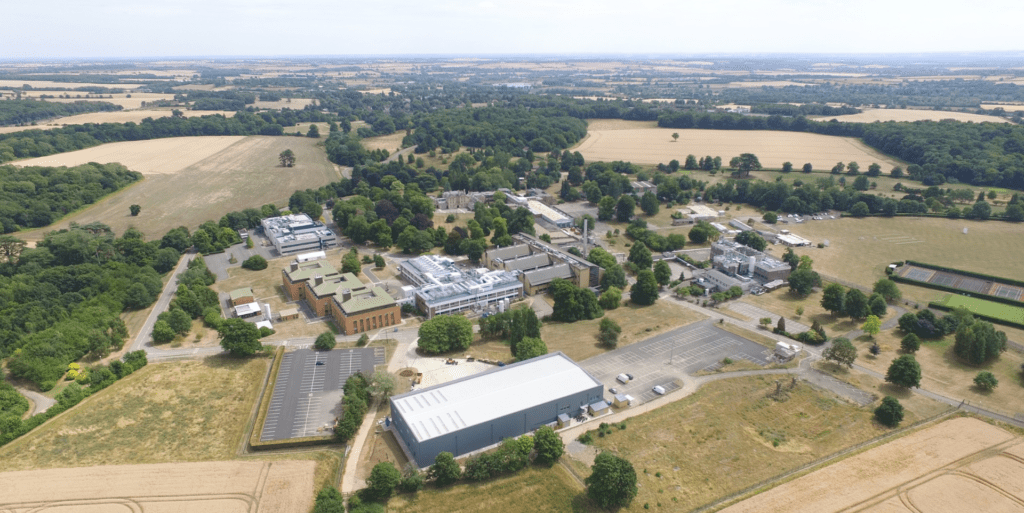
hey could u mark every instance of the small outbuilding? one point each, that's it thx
(564, 420)
(242, 296)
(289, 314)
(622, 401)
(598, 408)
(247, 310)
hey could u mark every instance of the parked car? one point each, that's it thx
(660, 390)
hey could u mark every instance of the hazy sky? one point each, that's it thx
(144, 28)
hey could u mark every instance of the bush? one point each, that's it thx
(382, 481)
(255, 263)
(910, 343)
(413, 480)
(985, 380)
(325, 341)
(890, 412)
(329, 500)
(363, 340)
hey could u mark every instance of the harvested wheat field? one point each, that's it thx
(125, 100)
(153, 157)
(125, 116)
(872, 115)
(190, 180)
(655, 145)
(385, 142)
(959, 465)
(221, 487)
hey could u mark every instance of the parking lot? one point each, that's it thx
(307, 393)
(671, 357)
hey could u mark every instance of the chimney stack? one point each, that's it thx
(295, 266)
(346, 294)
(317, 280)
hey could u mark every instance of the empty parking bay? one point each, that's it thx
(308, 390)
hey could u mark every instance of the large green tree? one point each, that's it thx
(978, 342)
(239, 337)
(833, 299)
(662, 273)
(382, 480)
(530, 347)
(841, 351)
(445, 333)
(856, 304)
(645, 290)
(549, 446)
(612, 483)
(904, 372)
(803, 281)
(641, 256)
(445, 470)
(649, 203)
(746, 163)
(890, 412)
(606, 208)
(624, 208)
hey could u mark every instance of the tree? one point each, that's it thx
(382, 384)
(611, 298)
(747, 162)
(501, 236)
(324, 341)
(350, 262)
(701, 232)
(691, 162)
(378, 261)
(833, 299)
(985, 380)
(162, 332)
(383, 479)
(860, 209)
(675, 136)
(640, 256)
(138, 297)
(549, 446)
(872, 325)
(287, 158)
(608, 333)
(890, 412)
(606, 208)
(803, 281)
(624, 208)
(841, 351)
(255, 263)
(329, 500)
(313, 132)
(134, 210)
(238, 337)
(787, 167)
(978, 342)
(838, 168)
(910, 343)
(445, 470)
(856, 304)
(876, 305)
(770, 217)
(752, 239)
(649, 203)
(981, 210)
(180, 321)
(645, 290)
(791, 258)
(808, 168)
(780, 327)
(573, 303)
(904, 372)
(662, 273)
(614, 276)
(530, 347)
(612, 483)
(445, 333)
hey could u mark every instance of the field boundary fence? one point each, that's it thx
(712, 506)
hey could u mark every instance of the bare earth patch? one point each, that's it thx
(877, 477)
(655, 145)
(228, 487)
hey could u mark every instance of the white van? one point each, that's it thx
(623, 378)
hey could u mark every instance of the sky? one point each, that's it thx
(76, 29)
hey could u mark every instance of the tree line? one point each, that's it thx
(21, 112)
(31, 197)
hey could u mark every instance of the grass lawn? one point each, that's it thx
(729, 435)
(860, 249)
(532, 490)
(944, 373)
(781, 302)
(182, 411)
(578, 340)
(985, 307)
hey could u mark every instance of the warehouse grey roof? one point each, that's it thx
(528, 262)
(442, 409)
(547, 274)
(509, 252)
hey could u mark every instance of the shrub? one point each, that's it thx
(985, 380)
(325, 341)
(255, 263)
(890, 412)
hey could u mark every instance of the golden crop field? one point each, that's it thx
(135, 102)
(959, 465)
(195, 179)
(872, 115)
(122, 116)
(655, 145)
(217, 487)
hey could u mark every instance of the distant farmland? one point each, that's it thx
(872, 115)
(645, 145)
(190, 180)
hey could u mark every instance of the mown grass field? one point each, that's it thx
(985, 307)
(730, 435)
(241, 175)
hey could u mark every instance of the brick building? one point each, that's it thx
(354, 306)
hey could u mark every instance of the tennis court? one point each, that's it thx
(961, 282)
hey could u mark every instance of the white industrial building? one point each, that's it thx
(791, 240)
(297, 232)
(442, 288)
(736, 259)
(477, 411)
(549, 214)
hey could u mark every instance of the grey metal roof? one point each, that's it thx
(509, 252)
(547, 274)
(442, 409)
(528, 262)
